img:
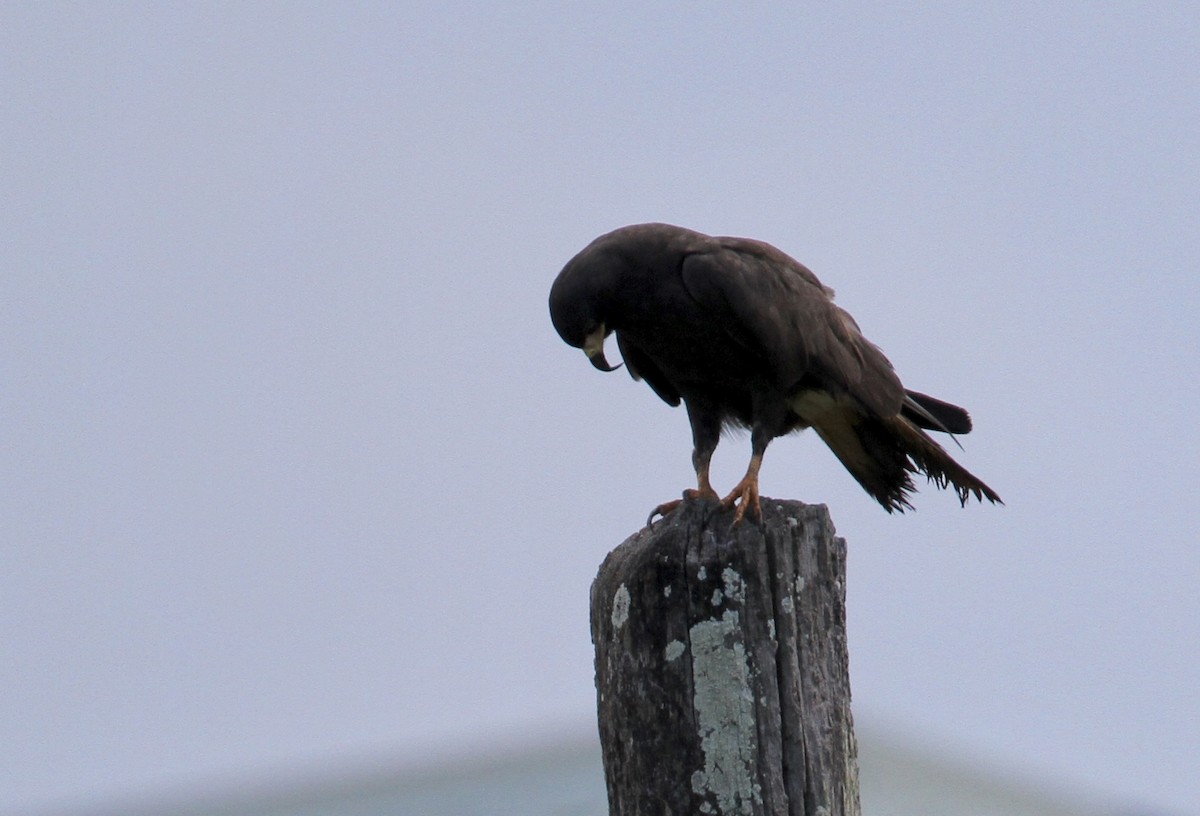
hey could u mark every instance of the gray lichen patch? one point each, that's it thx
(674, 649)
(620, 607)
(724, 706)
(735, 588)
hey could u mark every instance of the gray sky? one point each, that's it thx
(296, 473)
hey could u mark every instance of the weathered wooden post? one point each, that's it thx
(721, 666)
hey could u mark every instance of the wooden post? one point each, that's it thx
(721, 666)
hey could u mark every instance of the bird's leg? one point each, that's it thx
(747, 491)
(745, 494)
(705, 435)
(701, 458)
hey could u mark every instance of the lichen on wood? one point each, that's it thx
(721, 666)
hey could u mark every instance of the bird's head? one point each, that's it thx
(578, 301)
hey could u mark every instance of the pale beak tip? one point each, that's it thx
(593, 347)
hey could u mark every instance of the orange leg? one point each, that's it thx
(703, 490)
(746, 491)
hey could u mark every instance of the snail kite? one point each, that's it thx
(745, 336)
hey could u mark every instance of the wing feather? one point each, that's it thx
(774, 305)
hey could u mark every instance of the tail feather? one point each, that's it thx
(882, 454)
(931, 459)
(934, 414)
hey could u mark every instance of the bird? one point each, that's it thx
(746, 337)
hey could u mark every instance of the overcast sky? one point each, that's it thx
(297, 475)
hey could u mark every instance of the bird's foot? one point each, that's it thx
(744, 496)
(690, 494)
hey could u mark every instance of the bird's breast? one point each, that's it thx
(696, 354)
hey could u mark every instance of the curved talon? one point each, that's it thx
(688, 495)
(747, 492)
(662, 510)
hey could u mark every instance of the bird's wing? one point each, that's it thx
(776, 307)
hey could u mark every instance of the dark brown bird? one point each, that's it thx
(745, 336)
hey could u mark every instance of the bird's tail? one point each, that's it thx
(882, 454)
(934, 414)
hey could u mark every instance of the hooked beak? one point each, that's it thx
(593, 347)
